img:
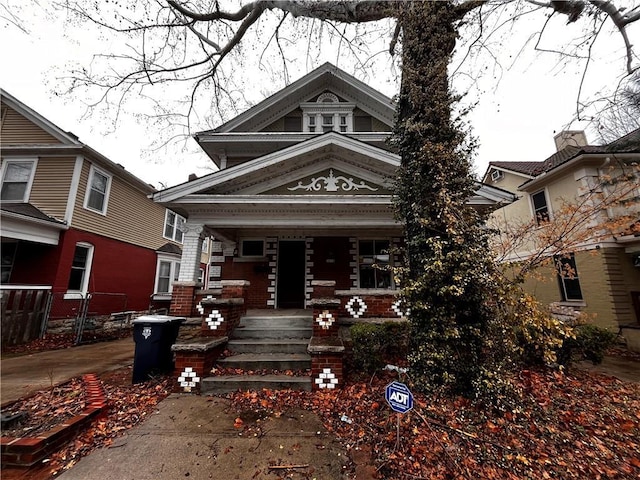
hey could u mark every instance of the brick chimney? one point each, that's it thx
(574, 138)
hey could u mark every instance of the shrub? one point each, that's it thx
(539, 336)
(589, 342)
(376, 344)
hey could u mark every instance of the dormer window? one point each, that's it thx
(327, 114)
(327, 123)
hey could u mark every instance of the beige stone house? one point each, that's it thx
(601, 275)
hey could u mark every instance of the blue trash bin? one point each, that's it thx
(153, 336)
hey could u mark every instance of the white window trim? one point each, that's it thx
(252, 239)
(392, 285)
(336, 109)
(174, 260)
(175, 227)
(8, 160)
(546, 199)
(75, 294)
(107, 192)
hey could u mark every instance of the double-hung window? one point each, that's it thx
(373, 264)
(17, 177)
(173, 226)
(568, 277)
(98, 188)
(80, 268)
(540, 208)
(167, 272)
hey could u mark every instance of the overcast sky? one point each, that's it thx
(514, 119)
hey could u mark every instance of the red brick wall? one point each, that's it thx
(256, 273)
(377, 305)
(338, 271)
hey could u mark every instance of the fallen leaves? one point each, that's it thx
(570, 426)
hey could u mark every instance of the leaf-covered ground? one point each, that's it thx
(569, 426)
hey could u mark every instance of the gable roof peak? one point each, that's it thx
(299, 91)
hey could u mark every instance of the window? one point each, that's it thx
(327, 114)
(373, 264)
(343, 123)
(17, 177)
(568, 277)
(80, 268)
(168, 272)
(540, 209)
(173, 226)
(97, 191)
(252, 248)
(327, 123)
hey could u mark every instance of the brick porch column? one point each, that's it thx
(183, 299)
(326, 347)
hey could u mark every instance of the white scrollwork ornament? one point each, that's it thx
(332, 184)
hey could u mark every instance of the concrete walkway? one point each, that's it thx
(26, 374)
(194, 436)
(621, 368)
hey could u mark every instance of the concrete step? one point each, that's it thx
(226, 384)
(272, 332)
(297, 321)
(251, 345)
(267, 361)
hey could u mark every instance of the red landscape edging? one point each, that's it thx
(27, 451)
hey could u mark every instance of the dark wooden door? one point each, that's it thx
(291, 273)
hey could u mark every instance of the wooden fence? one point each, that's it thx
(23, 312)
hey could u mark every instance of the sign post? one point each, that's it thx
(400, 399)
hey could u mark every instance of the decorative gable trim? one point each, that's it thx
(315, 144)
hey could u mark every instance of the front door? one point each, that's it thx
(291, 274)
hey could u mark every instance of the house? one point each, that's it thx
(78, 224)
(303, 193)
(601, 275)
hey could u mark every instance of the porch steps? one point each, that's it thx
(268, 343)
(267, 361)
(251, 345)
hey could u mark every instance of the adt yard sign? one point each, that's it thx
(399, 398)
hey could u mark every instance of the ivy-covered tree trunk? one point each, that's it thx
(449, 273)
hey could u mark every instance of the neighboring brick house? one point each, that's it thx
(607, 271)
(303, 193)
(79, 223)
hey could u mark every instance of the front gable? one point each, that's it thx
(301, 162)
(314, 87)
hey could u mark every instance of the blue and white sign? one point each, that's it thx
(399, 397)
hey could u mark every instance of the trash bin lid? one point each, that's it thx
(157, 319)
